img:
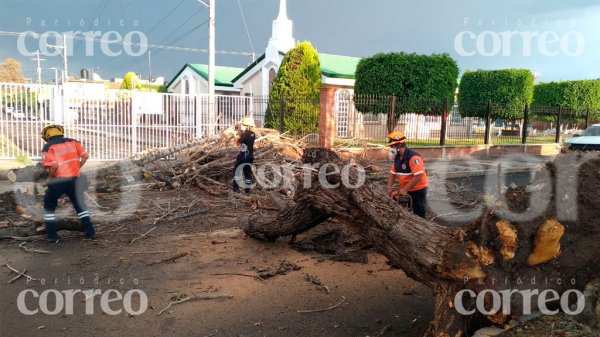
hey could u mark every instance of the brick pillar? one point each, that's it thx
(327, 130)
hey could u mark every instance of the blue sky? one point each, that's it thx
(563, 38)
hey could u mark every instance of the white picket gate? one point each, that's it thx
(110, 124)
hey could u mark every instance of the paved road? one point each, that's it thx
(471, 171)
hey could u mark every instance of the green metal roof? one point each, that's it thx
(248, 68)
(337, 66)
(334, 66)
(223, 75)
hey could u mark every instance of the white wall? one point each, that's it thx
(254, 85)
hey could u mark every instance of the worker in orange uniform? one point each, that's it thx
(63, 159)
(409, 170)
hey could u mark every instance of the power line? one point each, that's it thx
(165, 17)
(247, 31)
(181, 25)
(133, 44)
(91, 19)
(138, 60)
(163, 40)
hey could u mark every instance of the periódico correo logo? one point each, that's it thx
(112, 43)
(53, 302)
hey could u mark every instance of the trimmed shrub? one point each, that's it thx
(508, 90)
(420, 82)
(575, 96)
(297, 84)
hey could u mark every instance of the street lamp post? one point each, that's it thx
(55, 74)
(64, 54)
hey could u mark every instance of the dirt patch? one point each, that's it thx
(206, 256)
(557, 326)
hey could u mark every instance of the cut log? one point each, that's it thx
(489, 253)
(26, 174)
(38, 174)
(36, 228)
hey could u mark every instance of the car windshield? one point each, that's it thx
(591, 131)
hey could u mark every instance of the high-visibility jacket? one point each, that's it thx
(407, 166)
(65, 154)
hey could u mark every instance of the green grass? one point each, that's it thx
(450, 141)
(7, 148)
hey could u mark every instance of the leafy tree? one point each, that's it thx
(130, 81)
(297, 84)
(575, 96)
(507, 89)
(11, 71)
(420, 82)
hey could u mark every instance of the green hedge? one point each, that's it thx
(509, 90)
(420, 82)
(575, 96)
(297, 83)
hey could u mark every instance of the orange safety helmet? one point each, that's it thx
(396, 137)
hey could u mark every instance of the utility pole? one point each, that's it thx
(211, 67)
(212, 120)
(150, 66)
(39, 67)
(64, 55)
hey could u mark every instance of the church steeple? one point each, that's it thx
(282, 11)
(281, 37)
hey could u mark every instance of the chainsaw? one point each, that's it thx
(405, 201)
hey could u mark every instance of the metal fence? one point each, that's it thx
(117, 124)
(371, 118)
(296, 117)
(110, 124)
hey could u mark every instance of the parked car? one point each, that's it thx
(588, 140)
(9, 110)
(18, 114)
(549, 132)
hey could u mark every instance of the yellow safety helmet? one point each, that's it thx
(248, 121)
(52, 131)
(395, 137)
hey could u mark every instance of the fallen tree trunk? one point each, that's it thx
(38, 174)
(36, 228)
(27, 174)
(489, 253)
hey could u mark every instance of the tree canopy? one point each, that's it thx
(297, 84)
(576, 96)
(508, 90)
(420, 82)
(11, 71)
(131, 81)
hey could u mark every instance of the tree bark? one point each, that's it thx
(33, 228)
(38, 174)
(485, 254)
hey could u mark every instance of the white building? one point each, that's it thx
(257, 78)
